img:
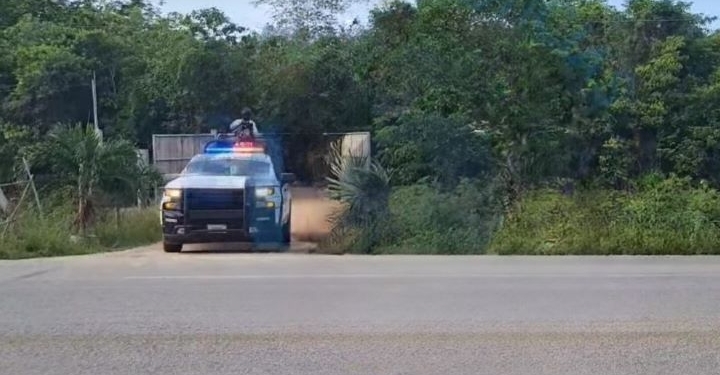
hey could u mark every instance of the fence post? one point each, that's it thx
(31, 181)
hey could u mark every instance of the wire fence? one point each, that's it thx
(14, 196)
(10, 197)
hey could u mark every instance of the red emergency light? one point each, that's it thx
(249, 147)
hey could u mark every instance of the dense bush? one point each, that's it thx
(660, 216)
(667, 216)
(428, 147)
(426, 220)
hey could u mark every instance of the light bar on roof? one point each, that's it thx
(248, 147)
(224, 147)
(218, 147)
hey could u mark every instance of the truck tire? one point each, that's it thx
(286, 233)
(172, 247)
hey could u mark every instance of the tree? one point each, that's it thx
(211, 24)
(559, 90)
(307, 17)
(78, 158)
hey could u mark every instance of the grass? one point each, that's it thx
(669, 217)
(428, 221)
(663, 217)
(129, 228)
(32, 236)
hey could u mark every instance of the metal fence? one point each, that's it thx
(171, 152)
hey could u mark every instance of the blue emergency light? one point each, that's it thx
(219, 147)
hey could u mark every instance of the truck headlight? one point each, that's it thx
(171, 199)
(264, 192)
(172, 193)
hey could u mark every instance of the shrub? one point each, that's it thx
(426, 220)
(32, 236)
(663, 217)
(94, 168)
(362, 186)
(420, 146)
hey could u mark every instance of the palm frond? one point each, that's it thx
(94, 167)
(363, 186)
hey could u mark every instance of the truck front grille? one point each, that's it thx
(215, 199)
(215, 206)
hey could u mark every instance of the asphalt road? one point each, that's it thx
(145, 312)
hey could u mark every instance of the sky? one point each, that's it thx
(244, 13)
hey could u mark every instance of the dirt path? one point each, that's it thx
(310, 212)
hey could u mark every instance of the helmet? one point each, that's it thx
(246, 114)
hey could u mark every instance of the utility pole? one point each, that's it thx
(95, 111)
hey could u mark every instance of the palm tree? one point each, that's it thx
(363, 186)
(78, 157)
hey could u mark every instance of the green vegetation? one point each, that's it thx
(425, 221)
(666, 217)
(525, 126)
(90, 173)
(36, 237)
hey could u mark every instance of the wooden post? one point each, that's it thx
(15, 210)
(31, 181)
(95, 109)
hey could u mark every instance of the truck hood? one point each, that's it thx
(207, 182)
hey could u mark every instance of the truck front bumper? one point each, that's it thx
(175, 231)
(184, 235)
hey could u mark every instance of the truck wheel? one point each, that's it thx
(172, 247)
(286, 233)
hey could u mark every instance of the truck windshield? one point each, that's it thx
(227, 167)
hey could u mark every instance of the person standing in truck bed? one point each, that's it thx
(245, 125)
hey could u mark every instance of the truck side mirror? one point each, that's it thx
(287, 178)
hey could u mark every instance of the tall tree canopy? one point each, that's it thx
(530, 91)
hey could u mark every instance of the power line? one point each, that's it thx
(661, 20)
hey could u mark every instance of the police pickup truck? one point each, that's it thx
(232, 192)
